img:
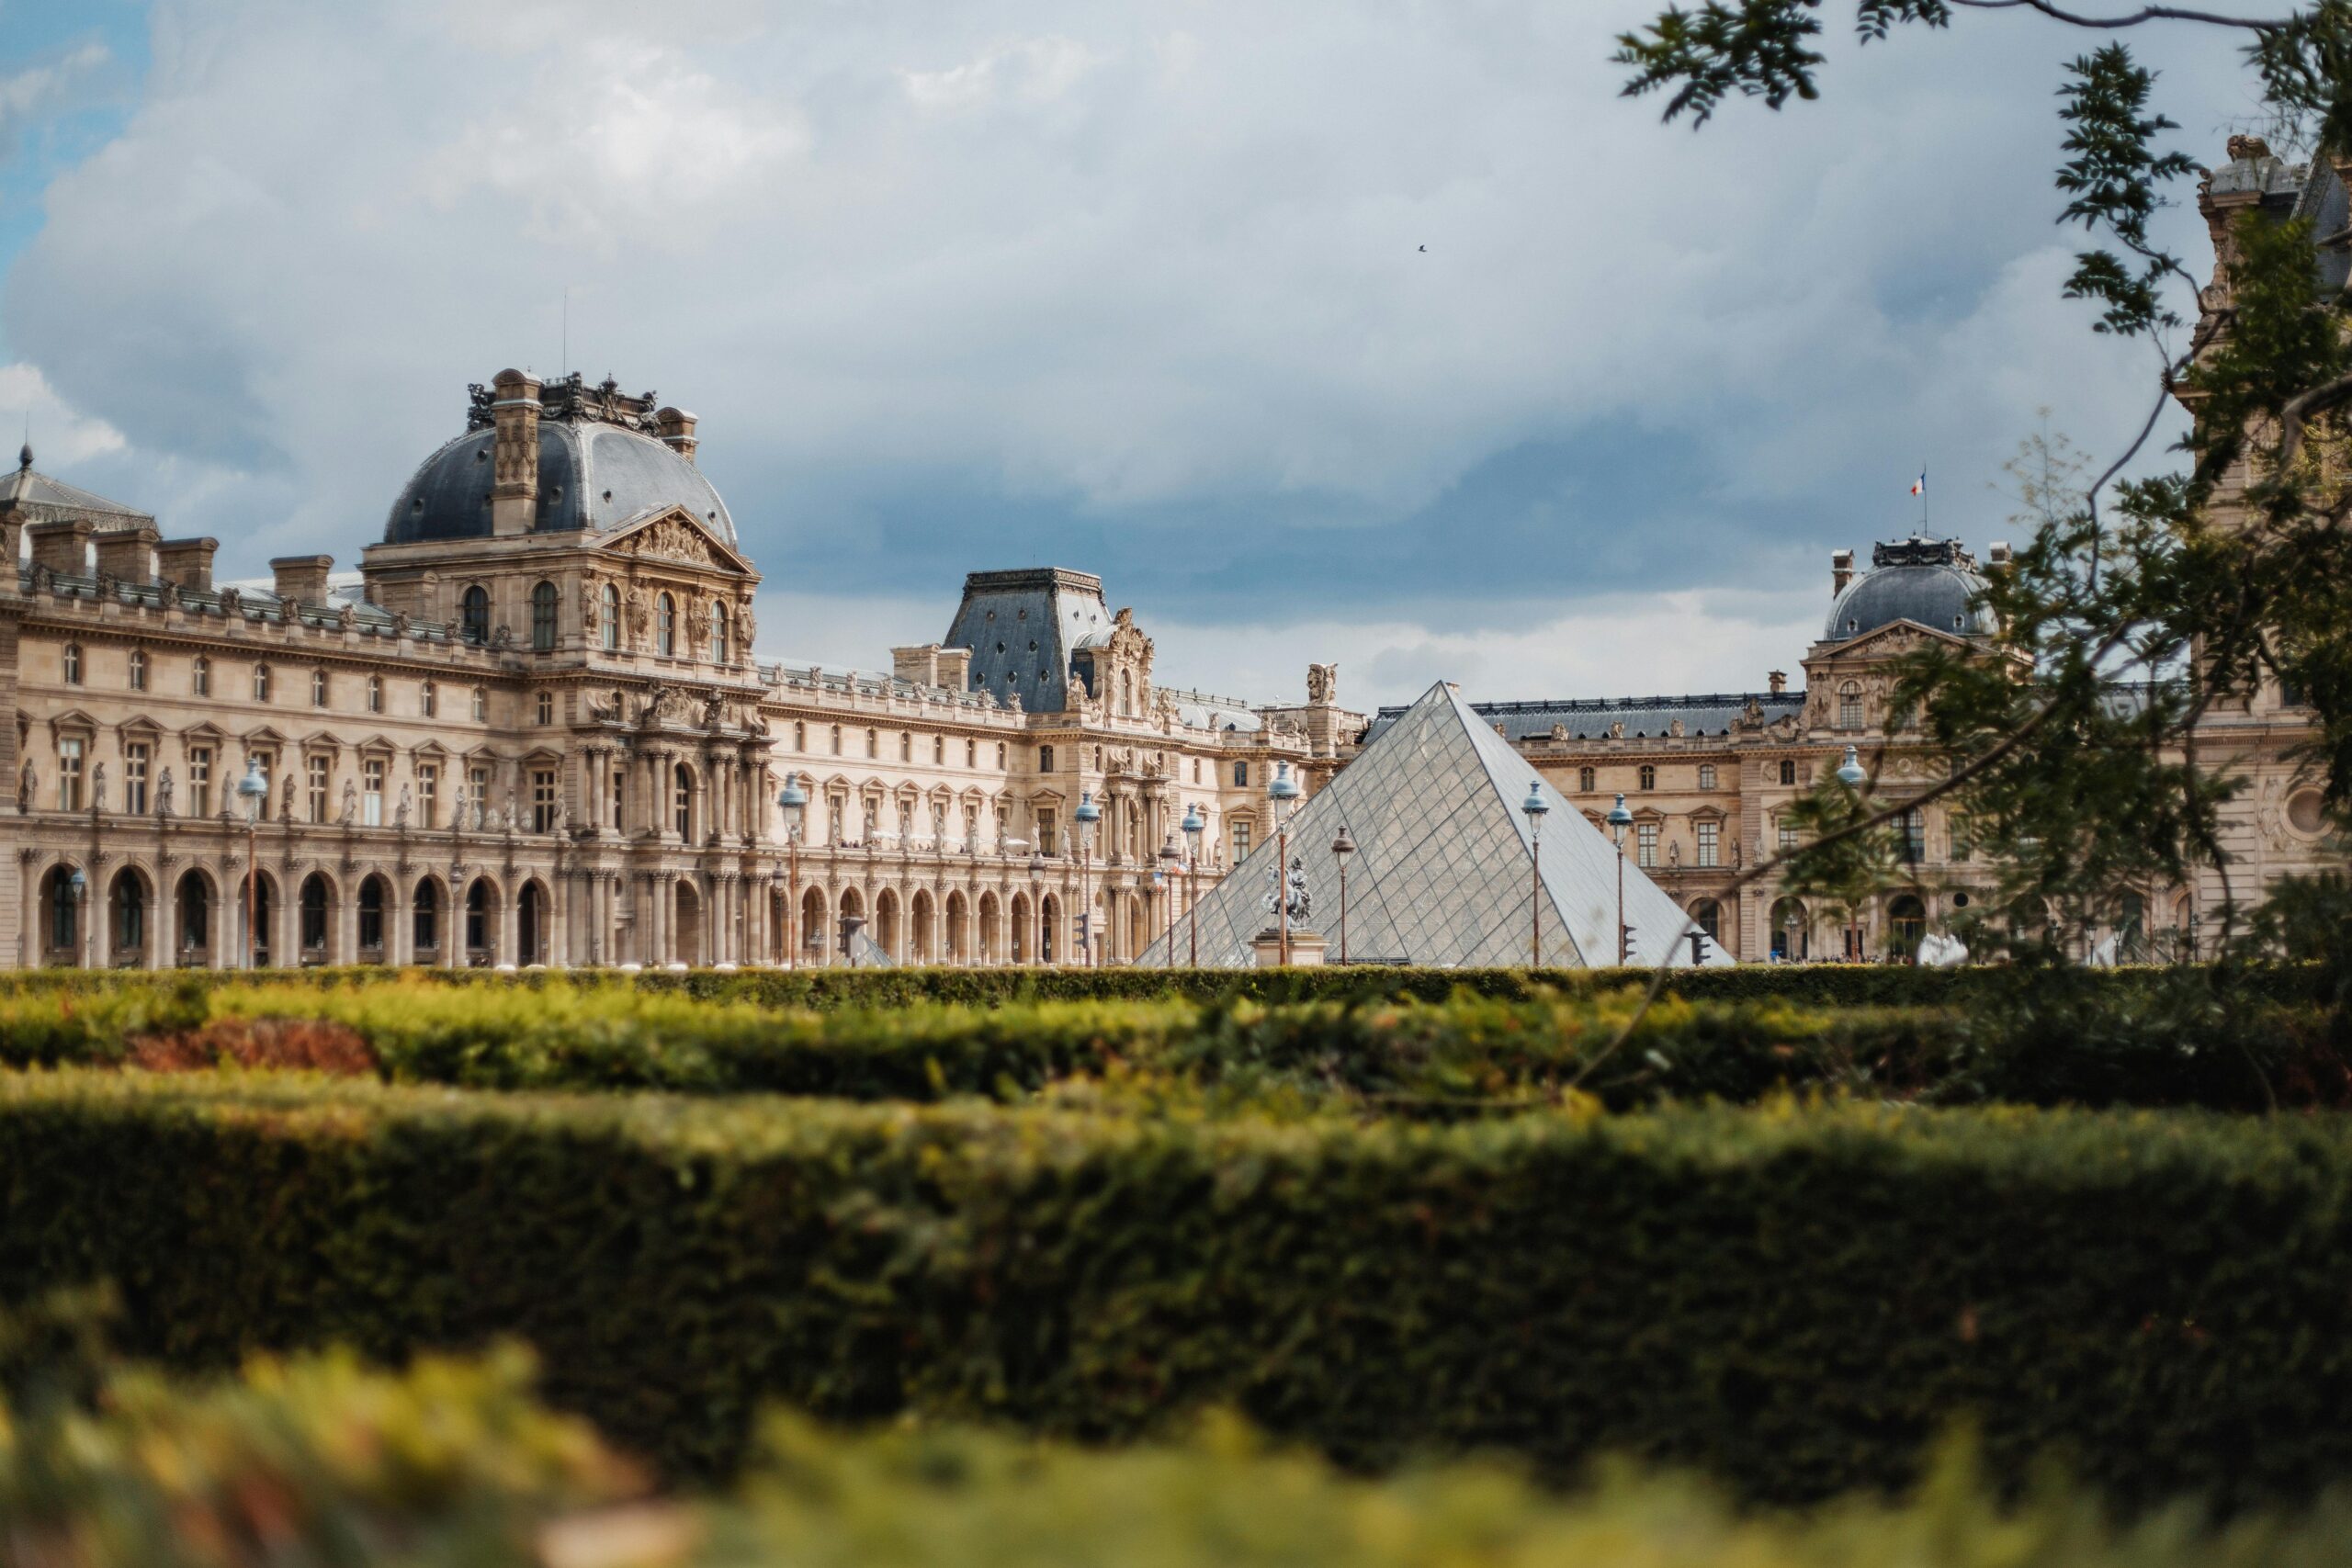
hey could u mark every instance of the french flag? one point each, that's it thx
(1920, 485)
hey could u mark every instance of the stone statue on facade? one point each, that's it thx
(28, 785)
(636, 604)
(400, 812)
(1322, 682)
(164, 793)
(350, 813)
(286, 800)
(347, 617)
(98, 787)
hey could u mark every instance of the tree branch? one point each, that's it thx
(2145, 14)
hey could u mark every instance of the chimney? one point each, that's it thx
(677, 430)
(919, 665)
(63, 547)
(188, 562)
(302, 578)
(127, 554)
(1996, 556)
(956, 667)
(1779, 679)
(514, 453)
(1841, 570)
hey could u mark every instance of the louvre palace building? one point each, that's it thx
(530, 729)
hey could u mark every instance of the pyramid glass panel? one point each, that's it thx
(1444, 872)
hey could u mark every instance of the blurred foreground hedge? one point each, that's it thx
(1792, 1301)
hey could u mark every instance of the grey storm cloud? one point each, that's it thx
(1139, 289)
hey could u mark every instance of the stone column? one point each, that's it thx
(162, 944)
(345, 925)
(508, 899)
(560, 933)
(400, 941)
(227, 950)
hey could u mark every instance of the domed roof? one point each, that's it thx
(1931, 581)
(593, 473)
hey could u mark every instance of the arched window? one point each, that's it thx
(1126, 694)
(611, 618)
(665, 625)
(428, 699)
(1708, 916)
(314, 910)
(72, 663)
(1648, 777)
(1790, 931)
(1584, 781)
(371, 914)
(720, 652)
(684, 801)
(261, 682)
(481, 704)
(375, 694)
(1849, 706)
(542, 617)
(478, 916)
(318, 688)
(64, 914)
(1906, 921)
(474, 613)
(426, 924)
(199, 678)
(138, 669)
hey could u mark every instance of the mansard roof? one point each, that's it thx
(39, 499)
(1591, 718)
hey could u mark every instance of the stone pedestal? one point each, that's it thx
(1305, 947)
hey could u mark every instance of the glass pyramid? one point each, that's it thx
(1442, 870)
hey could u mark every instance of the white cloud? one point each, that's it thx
(40, 90)
(1111, 279)
(61, 437)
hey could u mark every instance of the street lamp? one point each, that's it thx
(252, 789)
(1619, 820)
(1087, 814)
(1533, 808)
(1193, 827)
(1171, 863)
(1850, 774)
(793, 800)
(1283, 790)
(1037, 900)
(79, 886)
(1342, 847)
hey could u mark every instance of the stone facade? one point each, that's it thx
(532, 730)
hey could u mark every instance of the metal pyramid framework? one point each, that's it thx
(1442, 870)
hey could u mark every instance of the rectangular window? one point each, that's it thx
(199, 781)
(134, 778)
(1706, 777)
(69, 773)
(620, 822)
(1709, 835)
(1645, 844)
(1048, 841)
(1240, 834)
(1914, 835)
(1788, 838)
(836, 820)
(543, 801)
(1788, 772)
(371, 792)
(1045, 758)
(477, 801)
(1963, 837)
(1241, 775)
(428, 793)
(318, 771)
(971, 753)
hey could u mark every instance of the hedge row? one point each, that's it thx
(319, 1460)
(1826, 985)
(1468, 1053)
(1792, 1301)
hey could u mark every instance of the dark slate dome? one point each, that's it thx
(1931, 581)
(596, 472)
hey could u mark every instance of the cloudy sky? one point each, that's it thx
(1135, 288)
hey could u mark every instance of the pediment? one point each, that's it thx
(268, 733)
(674, 535)
(204, 729)
(1889, 640)
(74, 718)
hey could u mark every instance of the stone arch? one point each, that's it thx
(1051, 937)
(195, 921)
(374, 929)
(256, 932)
(956, 947)
(815, 918)
(1792, 930)
(1707, 917)
(1138, 927)
(988, 939)
(1020, 945)
(923, 927)
(1906, 925)
(534, 922)
(130, 931)
(687, 932)
(314, 913)
(850, 905)
(889, 928)
(429, 918)
(476, 932)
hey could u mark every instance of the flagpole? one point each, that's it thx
(1923, 499)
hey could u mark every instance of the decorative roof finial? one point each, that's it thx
(25, 455)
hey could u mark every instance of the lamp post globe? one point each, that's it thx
(794, 802)
(1533, 808)
(253, 790)
(1087, 814)
(1619, 820)
(1193, 825)
(1849, 772)
(1281, 790)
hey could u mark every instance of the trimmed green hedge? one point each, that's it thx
(1824, 985)
(1793, 1301)
(1466, 1054)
